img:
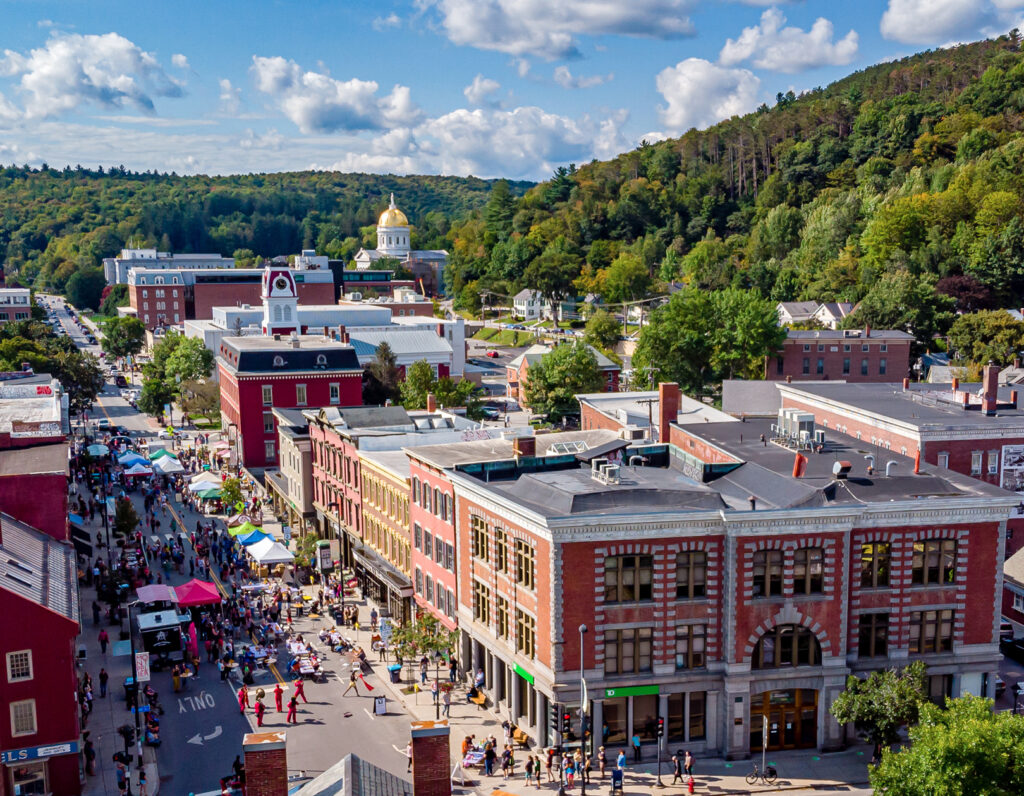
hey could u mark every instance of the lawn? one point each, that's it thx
(486, 333)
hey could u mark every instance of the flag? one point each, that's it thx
(368, 686)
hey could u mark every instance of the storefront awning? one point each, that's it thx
(393, 578)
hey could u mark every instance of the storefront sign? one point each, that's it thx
(324, 554)
(36, 752)
(523, 673)
(633, 690)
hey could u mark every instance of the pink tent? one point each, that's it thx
(197, 592)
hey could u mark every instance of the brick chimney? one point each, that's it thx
(956, 384)
(989, 388)
(524, 446)
(342, 333)
(867, 330)
(668, 408)
(431, 402)
(266, 764)
(906, 383)
(431, 759)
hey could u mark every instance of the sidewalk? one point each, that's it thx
(110, 713)
(798, 770)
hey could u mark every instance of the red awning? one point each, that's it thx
(197, 592)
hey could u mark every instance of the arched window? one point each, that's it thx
(786, 645)
(158, 280)
(287, 312)
(277, 313)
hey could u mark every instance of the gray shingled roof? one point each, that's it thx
(38, 568)
(353, 776)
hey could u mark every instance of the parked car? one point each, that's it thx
(490, 413)
(120, 380)
(103, 424)
(1013, 649)
(493, 354)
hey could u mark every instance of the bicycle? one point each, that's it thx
(768, 776)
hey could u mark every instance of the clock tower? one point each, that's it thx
(280, 302)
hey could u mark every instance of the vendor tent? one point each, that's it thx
(139, 469)
(210, 494)
(157, 592)
(98, 450)
(202, 486)
(269, 552)
(167, 465)
(160, 453)
(253, 537)
(130, 458)
(205, 476)
(197, 592)
(243, 529)
(240, 519)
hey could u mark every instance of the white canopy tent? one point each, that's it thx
(168, 465)
(269, 552)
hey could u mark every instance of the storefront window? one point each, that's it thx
(614, 729)
(645, 717)
(698, 730)
(29, 779)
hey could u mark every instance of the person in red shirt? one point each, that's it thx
(299, 690)
(243, 699)
(260, 710)
(293, 705)
(278, 692)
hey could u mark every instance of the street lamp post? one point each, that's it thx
(341, 548)
(135, 682)
(583, 718)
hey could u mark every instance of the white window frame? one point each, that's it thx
(1018, 603)
(264, 390)
(976, 462)
(943, 460)
(301, 401)
(993, 462)
(269, 449)
(335, 392)
(10, 666)
(268, 427)
(31, 703)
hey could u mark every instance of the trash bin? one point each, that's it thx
(131, 692)
(395, 670)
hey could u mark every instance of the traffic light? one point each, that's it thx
(556, 720)
(566, 722)
(127, 731)
(661, 728)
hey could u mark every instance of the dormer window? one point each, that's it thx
(278, 361)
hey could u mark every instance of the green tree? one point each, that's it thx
(189, 361)
(155, 394)
(81, 377)
(699, 338)
(450, 393)
(126, 520)
(552, 273)
(602, 330)
(626, 279)
(900, 300)
(382, 381)
(419, 379)
(85, 288)
(123, 337)
(424, 637)
(116, 297)
(552, 383)
(231, 493)
(987, 336)
(882, 704)
(962, 750)
(200, 399)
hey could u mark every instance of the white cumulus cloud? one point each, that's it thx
(771, 45)
(478, 93)
(230, 97)
(700, 93)
(318, 103)
(72, 69)
(180, 61)
(389, 22)
(928, 21)
(567, 79)
(549, 29)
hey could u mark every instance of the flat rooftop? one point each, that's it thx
(633, 408)
(498, 449)
(807, 335)
(924, 406)
(52, 458)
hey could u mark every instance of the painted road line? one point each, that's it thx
(368, 713)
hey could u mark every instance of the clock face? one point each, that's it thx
(281, 283)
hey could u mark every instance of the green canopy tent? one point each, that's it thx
(160, 453)
(210, 494)
(243, 529)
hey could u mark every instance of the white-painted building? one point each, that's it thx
(115, 269)
(528, 305)
(15, 304)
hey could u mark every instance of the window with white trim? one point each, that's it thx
(268, 395)
(976, 463)
(335, 393)
(300, 394)
(993, 462)
(19, 666)
(943, 460)
(23, 717)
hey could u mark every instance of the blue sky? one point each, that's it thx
(486, 87)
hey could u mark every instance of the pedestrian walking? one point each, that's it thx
(620, 761)
(260, 709)
(549, 764)
(446, 702)
(352, 679)
(529, 769)
(602, 760)
(103, 677)
(143, 787)
(408, 755)
(453, 671)
(424, 663)
(677, 770)
(243, 699)
(506, 761)
(278, 693)
(299, 689)
(373, 618)
(293, 706)
(637, 749)
(688, 763)
(104, 640)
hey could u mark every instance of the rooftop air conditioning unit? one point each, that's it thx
(633, 433)
(819, 437)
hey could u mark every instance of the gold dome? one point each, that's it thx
(392, 217)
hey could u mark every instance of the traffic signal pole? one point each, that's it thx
(661, 736)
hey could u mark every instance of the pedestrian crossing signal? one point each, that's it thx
(661, 728)
(556, 721)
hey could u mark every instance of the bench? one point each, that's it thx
(480, 699)
(521, 738)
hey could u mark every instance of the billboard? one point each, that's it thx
(1012, 468)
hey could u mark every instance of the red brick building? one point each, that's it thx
(166, 297)
(258, 374)
(872, 355)
(717, 586)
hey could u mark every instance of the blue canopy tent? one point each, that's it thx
(252, 537)
(131, 458)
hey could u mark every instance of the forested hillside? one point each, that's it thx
(898, 180)
(53, 223)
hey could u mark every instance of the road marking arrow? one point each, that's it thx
(196, 739)
(216, 734)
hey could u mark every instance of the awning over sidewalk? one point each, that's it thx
(384, 570)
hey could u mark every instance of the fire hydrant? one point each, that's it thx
(689, 785)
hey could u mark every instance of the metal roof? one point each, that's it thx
(404, 341)
(38, 568)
